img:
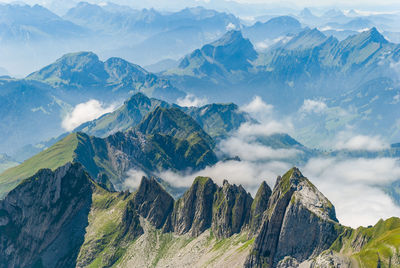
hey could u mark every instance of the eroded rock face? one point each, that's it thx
(43, 220)
(193, 212)
(259, 205)
(153, 203)
(299, 222)
(231, 210)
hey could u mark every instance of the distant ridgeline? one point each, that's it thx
(356, 78)
(65, 211)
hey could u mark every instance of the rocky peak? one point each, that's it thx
(193, 211)
(153, 203)
(231, 52)
(230, 37)
(373, 35)
(259, 205)
(231, 210)
(44, 211)
(137, 100)
(306, 39)
(364, 39)
(295, 205)
(303, 191)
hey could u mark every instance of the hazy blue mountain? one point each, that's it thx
(24, 23)
(272, 29)
(30, 112)
(298, 69)
(33, 108)
(106, 19)
(356, 24)
(218, 120)
(162, 65)
(227, 60)
(147, 35)
(6, 162)
(147, 21)
(86, 74)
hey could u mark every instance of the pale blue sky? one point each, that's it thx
(235, 6)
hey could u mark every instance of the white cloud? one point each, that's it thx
(230, 26)
(270, 42)
(263, 129)
(361, 142)
(257, 107)
(84, 112)
(191, 101)
(246, 173)
(354, 187)
(313, 106)
(133, 179)
(253, 150)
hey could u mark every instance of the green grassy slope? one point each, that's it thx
(374, 246)
(53, 157)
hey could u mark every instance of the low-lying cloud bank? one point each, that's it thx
(85, 112)
(353, 186)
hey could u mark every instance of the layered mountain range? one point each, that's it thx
(64, 218)
(32, 108)
(354, 79)
(132, 187)
(165, 139)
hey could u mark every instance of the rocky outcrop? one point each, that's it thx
(43, 220)
(193, 212)
(299, 222)
(259, 205)
(153, 203)
(231, 210)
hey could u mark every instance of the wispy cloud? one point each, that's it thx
(191, 100)
(346, 140)
(355, 187)
(258, 108)
(84, 112)
(313, 106)
(133, 179)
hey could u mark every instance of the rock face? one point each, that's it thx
(153, 203)
(225, 209)
(43, 220)
(193, 212)
(259, 205)
(62, 218)
(297, 210)
(231, 210)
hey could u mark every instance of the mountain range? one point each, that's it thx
(105, 164)
(297, 69)
(33, 107)
(65, 211)
(165, 139)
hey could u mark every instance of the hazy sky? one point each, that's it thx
(234, 5)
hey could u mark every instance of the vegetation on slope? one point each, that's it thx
(373, 246)
(52, 158)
